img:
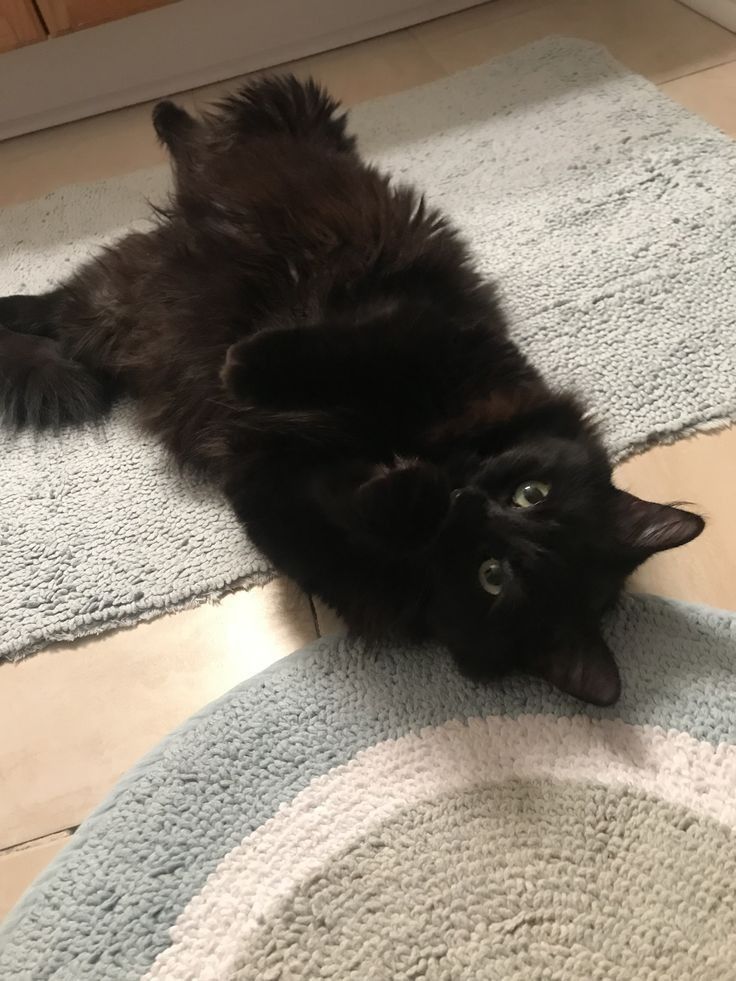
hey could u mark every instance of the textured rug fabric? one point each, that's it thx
(378, 817)
(606, 213)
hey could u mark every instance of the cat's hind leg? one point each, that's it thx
(292, 367)
(41, 384)
(31, 314)
(282, 104)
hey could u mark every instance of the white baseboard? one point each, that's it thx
(723, 12)
(181, 46)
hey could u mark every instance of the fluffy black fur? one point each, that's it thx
(319, 341)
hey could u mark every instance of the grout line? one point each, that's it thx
(697, 71)
(500, 15)
(315, 618)
(41, 840)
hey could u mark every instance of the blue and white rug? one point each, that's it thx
(363, 815)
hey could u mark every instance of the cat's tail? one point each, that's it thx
(41, 385)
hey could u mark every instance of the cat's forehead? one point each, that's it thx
(547, 454)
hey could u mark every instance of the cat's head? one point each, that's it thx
(523, 550)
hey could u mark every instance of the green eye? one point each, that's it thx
(490, 576)
(530, 493)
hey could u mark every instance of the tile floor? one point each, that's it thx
(73, 719)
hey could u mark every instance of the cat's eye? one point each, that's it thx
(530, 493)
(490, 576)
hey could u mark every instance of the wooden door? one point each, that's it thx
(19, 24)
(62, 16)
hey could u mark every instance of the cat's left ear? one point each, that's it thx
(583, 667)
(643, 528)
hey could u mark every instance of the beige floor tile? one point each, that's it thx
(102, 146)
(701, 470)
(20, 866)
(711, 94)
(73, 719)
(659, 38)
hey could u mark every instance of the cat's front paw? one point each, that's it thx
(405, 505)
(268, 369)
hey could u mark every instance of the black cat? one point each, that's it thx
(318, 340)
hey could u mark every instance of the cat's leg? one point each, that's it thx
(394, 508)
(42, 385)
(320, 365)
(291, 367)
(283, 104)
(366, 367)
(43, 388)
(31, 314)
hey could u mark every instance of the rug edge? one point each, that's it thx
(156, 753)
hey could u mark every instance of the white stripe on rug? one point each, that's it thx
(341, 806)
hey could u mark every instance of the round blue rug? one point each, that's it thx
(375, 816)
